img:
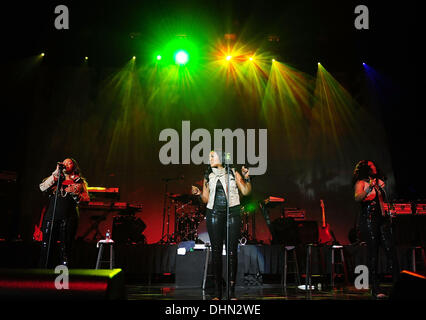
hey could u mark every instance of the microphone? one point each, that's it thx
(227, 158)
(61, 165)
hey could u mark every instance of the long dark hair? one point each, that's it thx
(77, 171)
(362, 171)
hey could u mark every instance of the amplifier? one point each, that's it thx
(407, 208)
(421, 208)
(295, 213)
(399, 208)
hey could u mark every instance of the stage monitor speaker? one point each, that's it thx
(190, 269)
(409, 286)
(41, 284)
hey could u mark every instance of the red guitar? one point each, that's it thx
(38, 234)
(325, 235)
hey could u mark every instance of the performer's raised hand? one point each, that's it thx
(245, 172)
(195, 191)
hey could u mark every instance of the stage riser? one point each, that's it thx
(39, 284)
(148, 260)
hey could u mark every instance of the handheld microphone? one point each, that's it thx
(61, 165)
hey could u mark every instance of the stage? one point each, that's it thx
(266, 292)
(308, 101)
(159, 272)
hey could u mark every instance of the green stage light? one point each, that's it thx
(159, 57)
(181, 57)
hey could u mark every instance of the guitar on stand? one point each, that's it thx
(325, 234)
(38, 234)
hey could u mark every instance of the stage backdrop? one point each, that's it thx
(317, 120)
(110, 121)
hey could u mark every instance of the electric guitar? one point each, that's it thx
(38, 234)
(325, 234)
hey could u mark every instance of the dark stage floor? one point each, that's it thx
(265, 292)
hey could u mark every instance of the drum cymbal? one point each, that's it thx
(184, 197)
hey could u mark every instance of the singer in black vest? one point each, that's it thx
(374, 222)
(215, 195)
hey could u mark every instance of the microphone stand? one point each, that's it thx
(166, 207)
(227, 231)
(383, 191)
(53, 215)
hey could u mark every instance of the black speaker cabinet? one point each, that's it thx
(45, 284)
(289, 231)
(190, 269)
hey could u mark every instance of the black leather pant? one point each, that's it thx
(216, 227)
(63, 234)
(376, 230)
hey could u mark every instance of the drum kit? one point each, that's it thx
(190, 222)
(189, 213)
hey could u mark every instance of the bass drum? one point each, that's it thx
(202, 233)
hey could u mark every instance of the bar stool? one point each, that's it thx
(292, 250)
(100, 245)
(413, 257)
(308, 277)
(334, 263)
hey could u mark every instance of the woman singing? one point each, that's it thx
(215, 195)
(374, 222)
(60, 222)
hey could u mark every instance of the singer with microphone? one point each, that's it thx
(66, 188)
(215, 195)
(374, 222)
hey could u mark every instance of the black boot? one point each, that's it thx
(217, 289)
(44, 248)
(232, 291)
(375, 288)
